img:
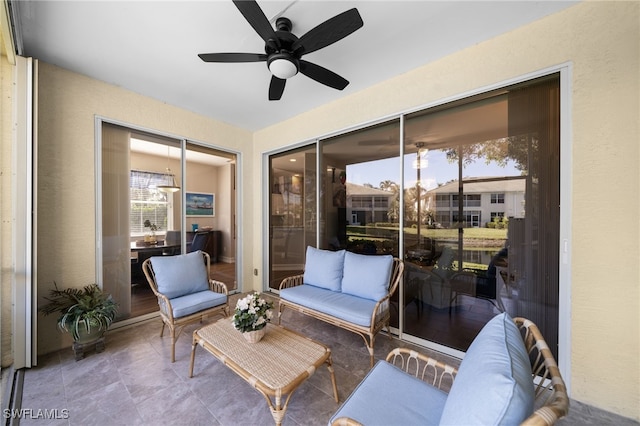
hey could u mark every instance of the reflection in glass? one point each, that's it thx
(292, 219)
(474, 213)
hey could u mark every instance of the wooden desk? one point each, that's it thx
(141, 253)
(160, 245)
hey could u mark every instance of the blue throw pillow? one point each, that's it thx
(367, 276)
(494, 384)
(323, 268)
(180, 275)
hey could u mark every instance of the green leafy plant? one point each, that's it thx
(85, 309)
(152, 226)
(252, 313)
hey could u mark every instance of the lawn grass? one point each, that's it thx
(437, 234)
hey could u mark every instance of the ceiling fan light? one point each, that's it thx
(283, 68)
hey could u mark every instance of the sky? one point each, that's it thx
(437, 171)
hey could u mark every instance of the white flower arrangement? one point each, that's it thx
(252, 313)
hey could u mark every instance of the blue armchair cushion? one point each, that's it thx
(389, 396)
(352, 309)
(323, 268)
(196, 302)
(494, 384)
(367, 276)
(181, 274)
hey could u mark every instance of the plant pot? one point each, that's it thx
(254, 336)
(85, 338)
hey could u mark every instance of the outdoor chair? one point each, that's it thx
(185, 291)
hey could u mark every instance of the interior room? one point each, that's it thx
(495, 163)
(208, 173)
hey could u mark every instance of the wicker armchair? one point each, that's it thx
(551, 399)
(182, 302)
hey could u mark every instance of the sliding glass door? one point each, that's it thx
(157, 193)
(210, 208)
(293, 215)
(466, 193)
(482, 223)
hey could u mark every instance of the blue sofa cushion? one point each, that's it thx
(181, 274)
(367, 276)
(389, 396)
(195, 302)
(494, 384)
(349, 308)
(323, 268)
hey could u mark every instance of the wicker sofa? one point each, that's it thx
(493, 384)
(349, 290)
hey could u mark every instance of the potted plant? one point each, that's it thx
(251, 315)
(85, 313)
(153, 228)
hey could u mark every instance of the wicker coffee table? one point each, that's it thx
(275, 366)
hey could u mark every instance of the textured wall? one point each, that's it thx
(601, 42)
(68, 104)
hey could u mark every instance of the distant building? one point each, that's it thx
(483, 199)
(367, 205)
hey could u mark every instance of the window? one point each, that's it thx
(362, 202)
(496, 215)
(472, 200)
(442, 200)
(381, 202)
(147, 203)
(469, 200)
(497, 198)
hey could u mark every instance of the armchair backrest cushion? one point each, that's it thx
(323, 268)
(494, 383)
(180, 275)
(367, 276)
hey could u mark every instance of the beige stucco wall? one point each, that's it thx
(601, 42)
(68, 104)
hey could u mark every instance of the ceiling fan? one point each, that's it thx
(283, 50)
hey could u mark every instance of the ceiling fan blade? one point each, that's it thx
(322, 75)
(276, 88)
(256, 18)
(233, 57)
(329, 32)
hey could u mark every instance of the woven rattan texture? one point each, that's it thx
(277, 360)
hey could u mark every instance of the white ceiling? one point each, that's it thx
(150, 47)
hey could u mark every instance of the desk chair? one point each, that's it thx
(200, 240)
(171, 238)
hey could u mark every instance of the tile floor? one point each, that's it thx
(133, 383)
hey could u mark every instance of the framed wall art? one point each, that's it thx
(201, 204)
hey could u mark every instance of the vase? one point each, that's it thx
(254, 336)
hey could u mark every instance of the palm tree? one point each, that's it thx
(394, 207)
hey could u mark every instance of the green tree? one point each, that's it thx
(519, 149)
(394, 207)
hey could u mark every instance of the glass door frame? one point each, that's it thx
(184, 142)
(565, 71)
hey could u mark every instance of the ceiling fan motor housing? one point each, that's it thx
(282, 60)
